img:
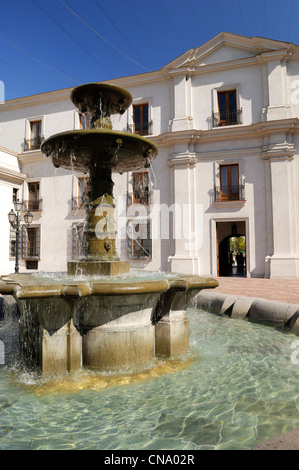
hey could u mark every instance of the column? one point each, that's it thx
(186, 219)
(182, 119)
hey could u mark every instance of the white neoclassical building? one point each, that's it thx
(224, 117)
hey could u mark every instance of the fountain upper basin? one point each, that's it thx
(78, 150)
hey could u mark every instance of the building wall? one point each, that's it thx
(186, 220)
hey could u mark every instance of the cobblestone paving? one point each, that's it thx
(279, 290)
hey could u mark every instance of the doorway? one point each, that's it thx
(231, 248)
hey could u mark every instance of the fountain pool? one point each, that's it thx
(236, 387)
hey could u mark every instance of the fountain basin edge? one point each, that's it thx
(68, 322)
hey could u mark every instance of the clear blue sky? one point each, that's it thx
(51, 44)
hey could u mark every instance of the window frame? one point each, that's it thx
(229, 119)
(135, 245)
(229, 195)
(35, 145)
(142, 130)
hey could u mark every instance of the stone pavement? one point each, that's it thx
(278, 290)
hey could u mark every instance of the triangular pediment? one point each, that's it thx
(227, 47)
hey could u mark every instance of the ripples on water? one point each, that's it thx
(236, 388)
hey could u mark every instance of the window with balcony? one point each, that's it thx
(35, 140)
(141, 124)
(30, 242)
(34, 203)
(12, 243)
(77, 241)
(140, 194)
(78, 202)
(139, 239)
(228, 112)
(229, 189)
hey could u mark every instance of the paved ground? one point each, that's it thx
(280, 290)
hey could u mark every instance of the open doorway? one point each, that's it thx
(231, 248)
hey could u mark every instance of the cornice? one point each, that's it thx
(258, 130)
(12, 176)
(32, 100)
(8, 151)
(280, 151)
(64, 94)
(32, 157)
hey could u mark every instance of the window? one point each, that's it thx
(140, 118)
(34, 201)
(12, 242)
(228, 113)
(83, 121)
(77, 241)
(80, 200)
(229, 182)
(30, 242)
(14, 194)
(35, 135)
(229, 189)
(227, 106)
(139, 241)
(141, 188)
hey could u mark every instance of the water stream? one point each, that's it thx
(237, 387)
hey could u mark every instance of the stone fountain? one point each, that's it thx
(100, 314)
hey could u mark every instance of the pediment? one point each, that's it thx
(226, 47)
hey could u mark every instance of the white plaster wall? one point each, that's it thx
(9, 163)
(6, 265)
(247, 82)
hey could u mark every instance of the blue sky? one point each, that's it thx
(51, 44)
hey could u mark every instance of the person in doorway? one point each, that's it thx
(240, 262)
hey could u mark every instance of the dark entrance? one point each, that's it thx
(231, 255)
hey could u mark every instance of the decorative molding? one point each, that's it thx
(12, 176)
(229, 204)
(278, 151)
(182, 159)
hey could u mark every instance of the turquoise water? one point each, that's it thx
(236, 388)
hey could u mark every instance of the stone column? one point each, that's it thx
(283, 261)
(182, 118)
(186, 214)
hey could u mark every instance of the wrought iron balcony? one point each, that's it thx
(227, 118)
(33, 205)
(229, 193)
(78, 203)
(33, 144)
(30, 243)
(142, 197)
(143, 128)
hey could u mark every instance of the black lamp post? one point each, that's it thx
(15, 221)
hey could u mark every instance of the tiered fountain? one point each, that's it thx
(98, 314)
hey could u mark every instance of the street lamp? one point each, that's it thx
(15, 221)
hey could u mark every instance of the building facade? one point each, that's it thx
(224, 117)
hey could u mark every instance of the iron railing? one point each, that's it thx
(141, 196)
(33, 144)
(227, 118)
(30, 242)
(229, 193)
(79, 203)
(33, 205)
(143, 128)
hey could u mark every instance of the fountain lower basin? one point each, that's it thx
(67, 322)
